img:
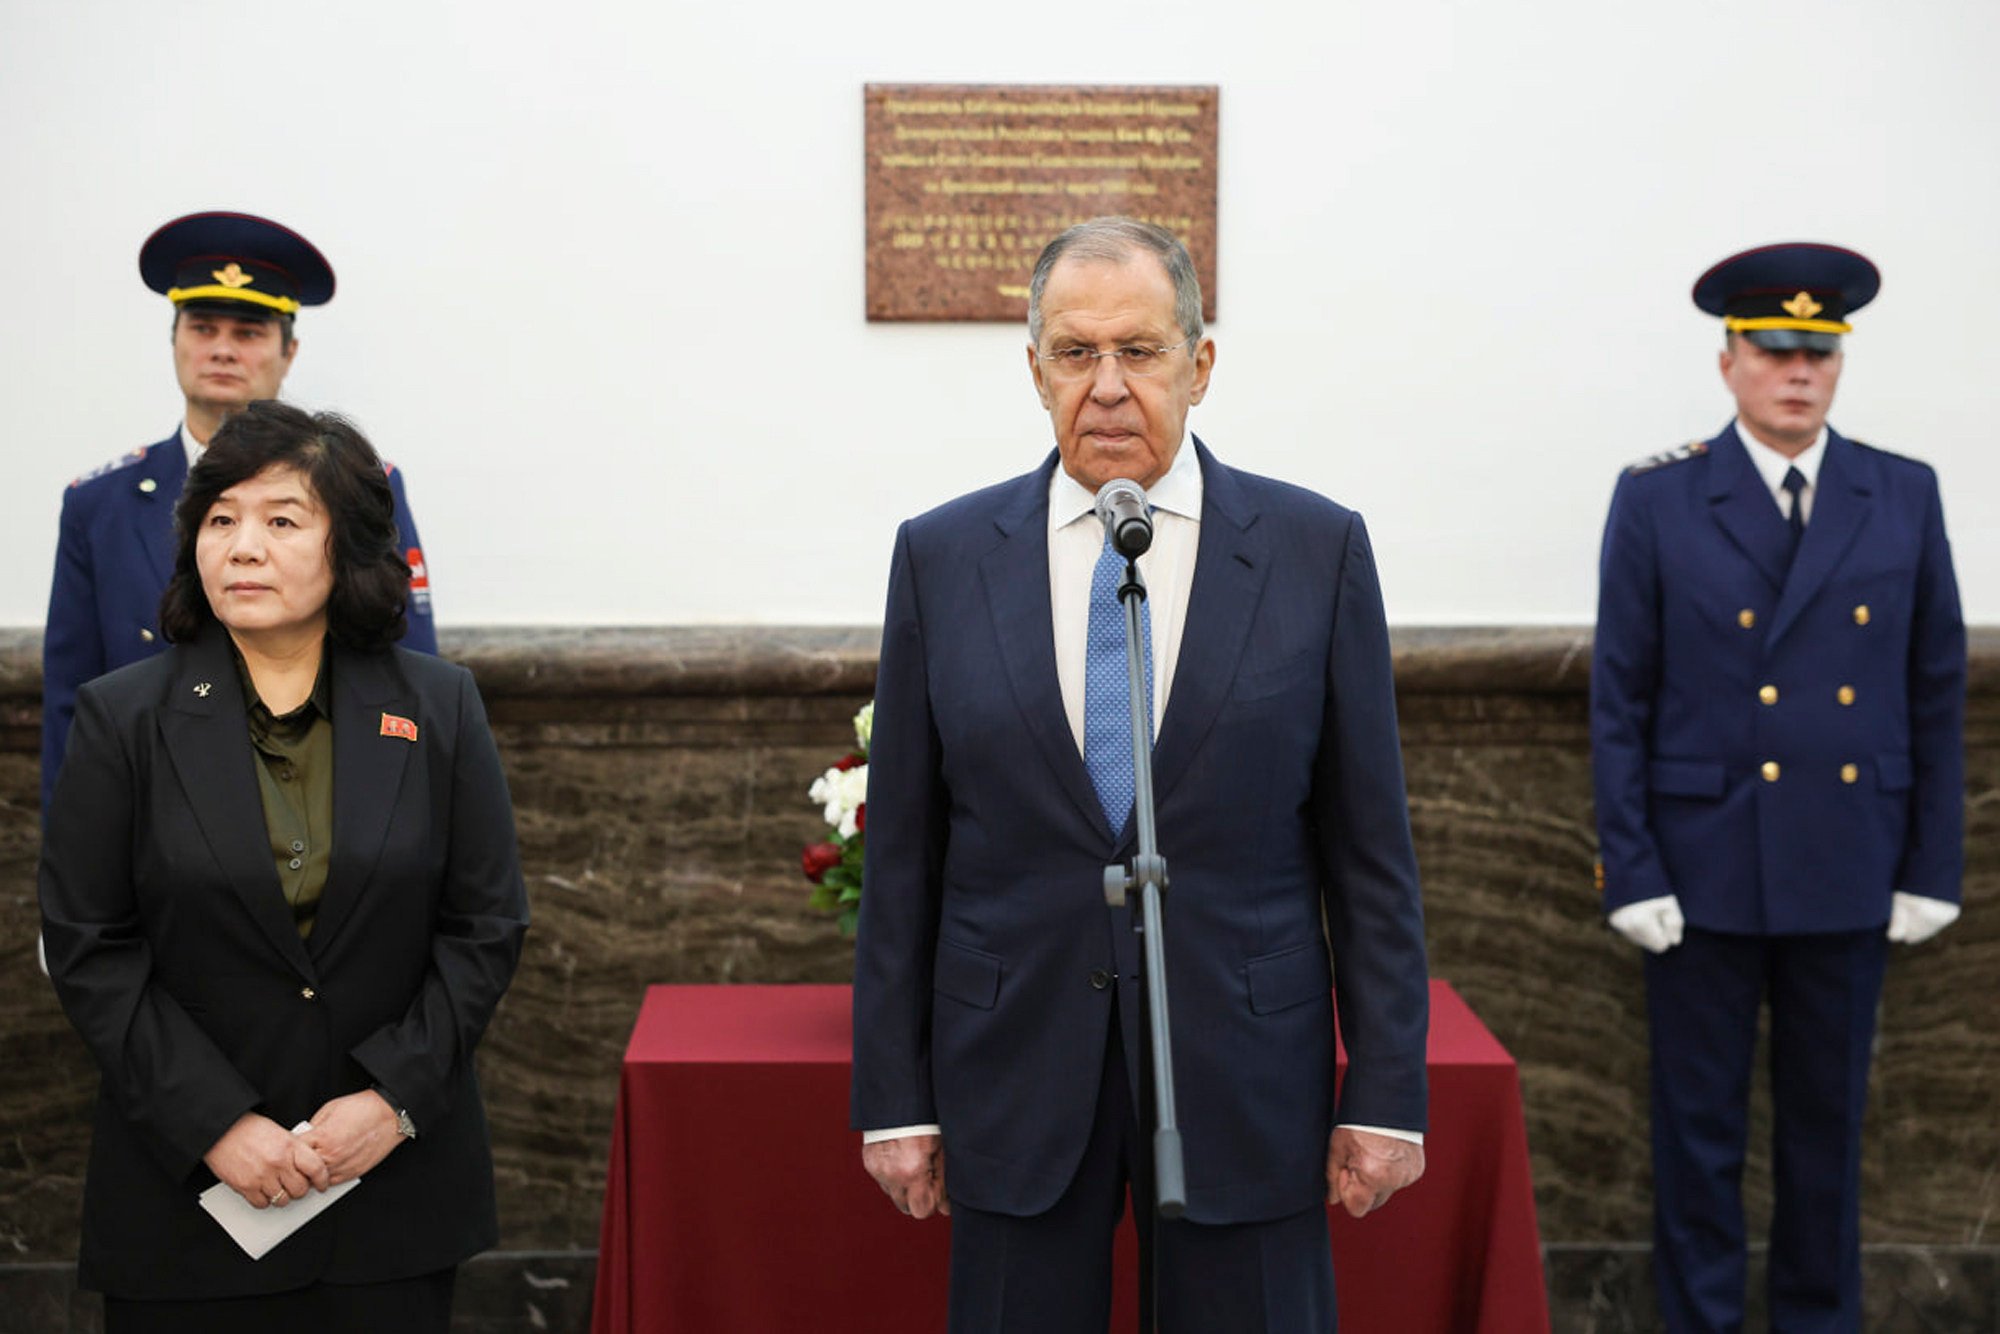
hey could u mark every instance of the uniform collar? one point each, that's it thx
(1772, 465)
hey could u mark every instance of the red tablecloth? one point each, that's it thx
(736, 1199)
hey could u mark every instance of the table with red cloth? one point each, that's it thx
(736, 1199)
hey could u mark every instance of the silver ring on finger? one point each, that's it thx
(280, 1198)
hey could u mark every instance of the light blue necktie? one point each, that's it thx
(1107, 711)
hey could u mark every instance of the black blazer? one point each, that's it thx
(174, 953)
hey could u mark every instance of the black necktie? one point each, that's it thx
(1795, 484)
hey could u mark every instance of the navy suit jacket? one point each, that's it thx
(114, 556)
(174, 954)
(1862, 646)
(1281, 805)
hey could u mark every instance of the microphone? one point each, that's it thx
(1121, 504)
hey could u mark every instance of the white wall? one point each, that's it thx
(601, 267)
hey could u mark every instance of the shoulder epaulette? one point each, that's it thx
(125, 460)
(1694, 449)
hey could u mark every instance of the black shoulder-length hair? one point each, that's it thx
(371, 581)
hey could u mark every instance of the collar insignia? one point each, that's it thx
(1801, 307)
(233, 275)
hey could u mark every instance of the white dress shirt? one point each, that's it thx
(1076, 539)
(1772, 465)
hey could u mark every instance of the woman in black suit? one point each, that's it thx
(280, 889)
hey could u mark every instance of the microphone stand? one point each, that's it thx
(1148, 875)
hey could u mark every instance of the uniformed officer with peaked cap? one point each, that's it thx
(1777, 702)
(236, 283)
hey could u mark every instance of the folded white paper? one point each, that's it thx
(258, 1230)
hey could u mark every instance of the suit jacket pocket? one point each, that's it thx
(1276, 680)
(967, 975)
(1685, 778)
(1289, 977)
(1892, 773)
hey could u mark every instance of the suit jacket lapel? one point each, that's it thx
(165, 466)
(1229, 572)
(1016, 576)
(1743, 506)
(1842, 504)
(208, 740)
(367, 779)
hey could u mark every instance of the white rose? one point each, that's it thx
(864, 725)
(840, 792)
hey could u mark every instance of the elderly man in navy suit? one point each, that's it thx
(996, 995)
(236, 283)
(1777, 701)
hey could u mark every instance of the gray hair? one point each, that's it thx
(1117, 240)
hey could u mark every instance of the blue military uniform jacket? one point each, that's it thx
(114, 556)
(1779, 747)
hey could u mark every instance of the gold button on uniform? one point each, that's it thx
(145, 636)
(1861, 614)
(1770, 771)
(308, 993)
(1769, 694)
(1850, 773)
(1845, 694)
(1746, 618)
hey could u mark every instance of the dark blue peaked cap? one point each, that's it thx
(1798, 294)
(225, 260)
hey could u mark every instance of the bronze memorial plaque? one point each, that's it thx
(967, 182)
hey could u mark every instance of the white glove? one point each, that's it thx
(1915, 918)
(1652, 924)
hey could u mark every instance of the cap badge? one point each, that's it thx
(1801, 307)
(233, 276)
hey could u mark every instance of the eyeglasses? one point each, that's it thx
(1074, 363)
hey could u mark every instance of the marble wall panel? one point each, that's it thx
(659, 779)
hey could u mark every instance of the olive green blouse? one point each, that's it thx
(295, 779)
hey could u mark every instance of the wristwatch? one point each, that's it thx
(404, 1125)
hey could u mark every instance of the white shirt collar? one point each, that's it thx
(190, 446)
(1772, 465)
(1179, 492)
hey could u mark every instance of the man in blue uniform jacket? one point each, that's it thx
(236, 283)
(1777, 701)
(996, 995)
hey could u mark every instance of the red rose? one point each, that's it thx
(861, 818)
(848, 762)
(818, 859)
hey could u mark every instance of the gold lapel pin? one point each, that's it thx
(203, 689)
(149, 486)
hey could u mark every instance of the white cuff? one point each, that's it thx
(898, 1132)
(1411, 1136)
